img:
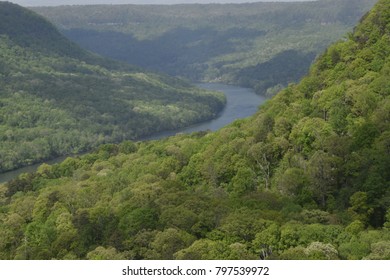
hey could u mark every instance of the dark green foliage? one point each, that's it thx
(292, 179)
(285, 67)
(261, 45)
(56, 98)
(40, 34)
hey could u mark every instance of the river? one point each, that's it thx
(240, 103)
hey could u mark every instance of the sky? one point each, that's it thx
(86, 2)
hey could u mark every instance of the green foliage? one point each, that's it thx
(380, 251)
(259, 45)
(101, 253)
(168, 242)
(354, 250)
(320, 251)
(291, 182)
(204, 249)
(57, 99)
(359, 208)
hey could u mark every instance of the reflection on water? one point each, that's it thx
(240, 103)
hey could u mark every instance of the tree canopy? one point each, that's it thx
(307, 177)
(58, 99)
(261, 45)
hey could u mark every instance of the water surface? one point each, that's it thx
(240, 103)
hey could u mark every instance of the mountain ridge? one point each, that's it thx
(58, 99)
(230, 43)
(306, 177)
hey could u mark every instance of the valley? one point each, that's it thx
(240, 103)
(306, 177)
(59, 99)
(264, 46)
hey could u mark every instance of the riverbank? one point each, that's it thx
(240, 103)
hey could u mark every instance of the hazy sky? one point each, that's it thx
(84, 2)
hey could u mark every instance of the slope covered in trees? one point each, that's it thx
(259, 45)
(56, 98)
(307, 177)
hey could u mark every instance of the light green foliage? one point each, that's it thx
(315, 251)
(242, 226)
(101, 253)
(310, 134)
(295, 253)
(168, 242)
(269, 237)
(355, 227)
(354, 250)
(321, 251)
(204, 249)
(380, 251)
(293, 179)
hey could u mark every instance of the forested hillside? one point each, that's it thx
(56, 98)
(264, 46)
(307, 177)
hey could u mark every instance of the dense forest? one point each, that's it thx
(56, 98)
(264, 46)
(307, 177)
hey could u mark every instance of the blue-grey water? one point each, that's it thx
(240, 103)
